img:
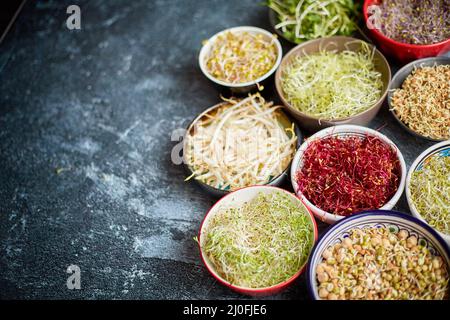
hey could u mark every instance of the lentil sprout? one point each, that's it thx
(423, 101)
(376, 264)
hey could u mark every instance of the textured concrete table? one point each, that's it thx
(86, 177)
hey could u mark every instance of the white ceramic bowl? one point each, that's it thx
(244, 86)
(344, 130)
(442, 148)
(236, 199)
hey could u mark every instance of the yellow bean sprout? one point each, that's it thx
(242, 143)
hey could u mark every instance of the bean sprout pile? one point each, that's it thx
(430, 192)
(261, 243)
(241, 144)
(381, 264)
(329, 85)
(239, 57)
(423, 101)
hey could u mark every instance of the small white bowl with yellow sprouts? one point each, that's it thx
(240, 58)
(238, 143)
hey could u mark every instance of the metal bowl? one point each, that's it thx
(400, 77)
(276, 181)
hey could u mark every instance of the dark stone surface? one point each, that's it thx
(86, 176)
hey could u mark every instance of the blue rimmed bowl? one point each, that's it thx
(395, 221)
(441, 149)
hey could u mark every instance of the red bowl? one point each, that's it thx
(403, 52)
(256, 292)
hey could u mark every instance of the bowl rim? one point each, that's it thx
(206, 47)
(186, 165)
(366, 5)
(266, 289)
(429, 152)
(380, 213)
(336, 130)
(413, 64)
(294, 51)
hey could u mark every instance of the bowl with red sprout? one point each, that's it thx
(346, 169)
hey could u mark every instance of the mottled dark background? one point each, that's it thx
(86, 176)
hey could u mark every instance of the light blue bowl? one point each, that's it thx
(396, 221)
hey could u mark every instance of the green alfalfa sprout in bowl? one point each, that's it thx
(261, 243)
(333, 85)
(430, 191)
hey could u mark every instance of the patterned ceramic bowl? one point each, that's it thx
(441, 149)
(395, 221)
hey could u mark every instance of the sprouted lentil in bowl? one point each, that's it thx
(241, 57)
(381, 264)
(261, 243)
(419, 22)
(423, 101)
(333, 85)
(344, 175)
(241, 144)
(430, 191)
(303, 20)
